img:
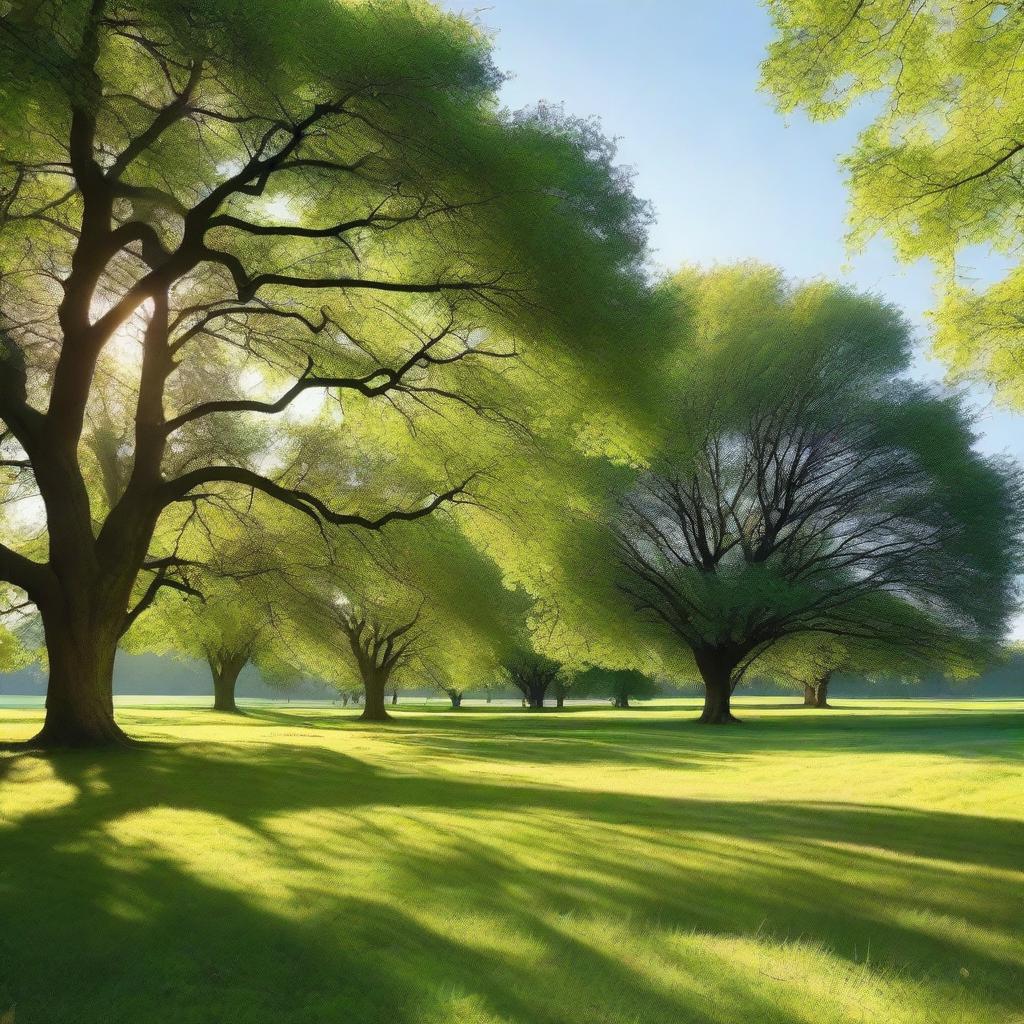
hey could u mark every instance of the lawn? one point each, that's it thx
(864, 864)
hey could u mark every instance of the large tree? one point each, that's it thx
(938, 170)
(209, 212)
(820, 492)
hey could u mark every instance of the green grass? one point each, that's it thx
(859, 865)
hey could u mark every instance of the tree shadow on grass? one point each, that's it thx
(663, 741)
(357, 894)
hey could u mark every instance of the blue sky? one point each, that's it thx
(675, 81)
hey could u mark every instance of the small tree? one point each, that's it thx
(562, 684)
(532, 674)
(17, 625)
(620, 686)
(226, 606)
(443, 680)
(381, 647)
(807, 662)
(230, 629)
(423, 606)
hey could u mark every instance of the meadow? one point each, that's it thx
(496, 866)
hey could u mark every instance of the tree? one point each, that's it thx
(807, 662)
(234, 567)
(938, 170)
(562, 684)
(420, 606)
(231, 628)
(209, 213)
(453, 689)
(381, 647)
(821, 493)
(16, 642)
(618, 685)
(810, 661)
(532, 674)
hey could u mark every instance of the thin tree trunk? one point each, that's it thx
(394, 696)
(560, 701)
(810, 696)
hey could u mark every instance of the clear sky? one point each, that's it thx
(675, 82)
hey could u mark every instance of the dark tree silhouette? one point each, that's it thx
(828, 496)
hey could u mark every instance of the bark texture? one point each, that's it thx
(374, 707)
(717, 670)
(225, 671)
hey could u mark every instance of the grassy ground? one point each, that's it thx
(859, 865)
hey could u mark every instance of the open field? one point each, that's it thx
(864, 864)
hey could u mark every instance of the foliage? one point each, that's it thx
(533, 675)
(819, 492)
(417, 607)
(212, 216)
(620, 686)
(239, 619)
(938, 169)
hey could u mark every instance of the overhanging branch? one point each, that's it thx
(309, 504)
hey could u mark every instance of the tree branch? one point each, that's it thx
(158, 582)
(308, 504)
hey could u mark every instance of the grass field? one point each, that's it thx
(860, 865)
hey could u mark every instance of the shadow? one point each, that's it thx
(277, 880)
(659, 737)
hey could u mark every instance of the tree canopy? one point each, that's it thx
(938, 170)
(806, 486)
(213, 214)
(417, 607)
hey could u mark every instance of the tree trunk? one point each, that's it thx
(374, 708)
(79, 693)
(560, 701)
(456, 698)
(622, 700)
(821, 692)
(716, 672)
(225, 677)
(810, 696)
(394, 696)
